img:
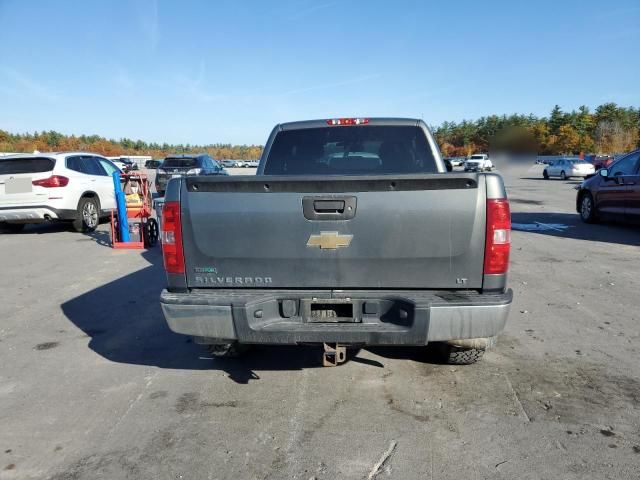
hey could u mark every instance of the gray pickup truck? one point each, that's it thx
(352, 233)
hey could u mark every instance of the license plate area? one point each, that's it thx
(18, 185)
(327, 312)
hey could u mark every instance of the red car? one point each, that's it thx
(601, 161)
(614, 192)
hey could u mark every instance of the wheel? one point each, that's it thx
(587, 209)
(150, 232)
(545, 175)
(88, 215)
(461, 355)
(227, 350)
(11, 227)
(563, 176)
(468, 352)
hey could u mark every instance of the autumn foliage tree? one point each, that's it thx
(55, 141)
(610, 129)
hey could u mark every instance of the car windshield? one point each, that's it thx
(179, 163)
(350, 151)
(477, 157)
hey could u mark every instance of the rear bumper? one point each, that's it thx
(34, 214)
(383, 317)
(582, 174)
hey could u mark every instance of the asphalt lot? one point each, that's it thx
(94, 385)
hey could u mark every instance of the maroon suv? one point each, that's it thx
(614, 192)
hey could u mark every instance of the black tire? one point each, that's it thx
(227, 350)
(563, 176)
(87, 216)
(462, 356)
(11, 227)
(545, 174)
(588, 212)
(150, 233)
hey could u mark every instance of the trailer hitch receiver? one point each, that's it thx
(334, 354)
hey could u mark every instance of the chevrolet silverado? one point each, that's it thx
(351, 233)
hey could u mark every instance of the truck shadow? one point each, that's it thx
(124, 323)
(569, 225)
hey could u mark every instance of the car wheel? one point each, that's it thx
(11, 227)
(563, 176)
(87, 216)
(587, 209)
(545, 175)
(150, 233)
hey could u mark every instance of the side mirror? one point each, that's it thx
(604, 173)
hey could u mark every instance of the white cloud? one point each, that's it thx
(24, 85)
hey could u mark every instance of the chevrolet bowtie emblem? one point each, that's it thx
(329, 240)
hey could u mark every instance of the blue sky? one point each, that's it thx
(227, 71)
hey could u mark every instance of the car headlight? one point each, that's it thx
(194, 171)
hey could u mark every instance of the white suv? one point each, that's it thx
(478, 162)
(72, 186)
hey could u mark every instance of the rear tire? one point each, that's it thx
(11, 227)
(87, 215)
(462, 356)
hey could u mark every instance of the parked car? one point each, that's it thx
(355, 251)
(601, 161)
(231, 163)
(456, 161)
(179, 165)
(565, 168)
(478, 162)
(152, 164)
(74, 186)
(124, 164)
(613, 193)
(252, 163)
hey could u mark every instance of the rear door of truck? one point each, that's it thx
(338, 207)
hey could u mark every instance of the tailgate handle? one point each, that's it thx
(329, 207)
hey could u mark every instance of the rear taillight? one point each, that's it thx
(52, 182)
(172, 238)
(498, 242)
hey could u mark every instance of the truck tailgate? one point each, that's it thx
(401, 232)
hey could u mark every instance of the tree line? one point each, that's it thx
(608, 129)
(56, 141)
